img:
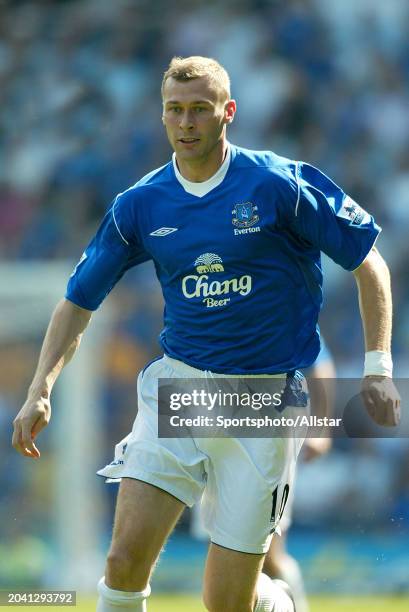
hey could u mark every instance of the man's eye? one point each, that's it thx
(174, 109)
(200, 109)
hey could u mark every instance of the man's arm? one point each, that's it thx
(375, 302)
(62, 339)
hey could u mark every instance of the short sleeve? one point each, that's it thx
(330, 220)
(114, 249)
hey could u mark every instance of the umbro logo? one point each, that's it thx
(163, 231)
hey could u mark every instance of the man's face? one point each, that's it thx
(195, 117)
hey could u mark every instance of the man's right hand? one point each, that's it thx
(62, 339)
(32, 418)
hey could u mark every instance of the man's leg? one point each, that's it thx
(144, 518)
(233, 583)
(278, 563)
(273, 558)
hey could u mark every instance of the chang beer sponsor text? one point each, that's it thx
(210, 289)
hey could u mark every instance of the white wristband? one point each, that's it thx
(378, 363)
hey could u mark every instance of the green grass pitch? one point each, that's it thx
(186, 603)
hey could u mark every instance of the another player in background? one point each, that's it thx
(278, 562)
(236, 237)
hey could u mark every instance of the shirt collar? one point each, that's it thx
(203, 188)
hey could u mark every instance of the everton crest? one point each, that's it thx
(245, 215)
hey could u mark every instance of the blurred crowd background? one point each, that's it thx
(319, 80)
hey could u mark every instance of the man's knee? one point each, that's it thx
(144, 517)
(126, 570)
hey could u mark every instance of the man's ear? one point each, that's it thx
(229, 111)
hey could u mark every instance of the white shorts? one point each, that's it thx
(238, 479)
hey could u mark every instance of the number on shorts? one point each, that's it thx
(284, 499)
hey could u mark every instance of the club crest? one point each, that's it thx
(245, 215)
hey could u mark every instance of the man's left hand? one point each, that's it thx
(382, 400)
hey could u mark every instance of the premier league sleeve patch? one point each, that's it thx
(351, 211)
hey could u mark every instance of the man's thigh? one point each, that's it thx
(230, 580)
(144, 517)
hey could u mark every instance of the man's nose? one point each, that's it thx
(186, 120)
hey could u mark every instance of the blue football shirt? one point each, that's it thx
(239, 264)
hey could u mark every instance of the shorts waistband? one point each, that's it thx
(180, 366)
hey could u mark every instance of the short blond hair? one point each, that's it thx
(195, 67)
